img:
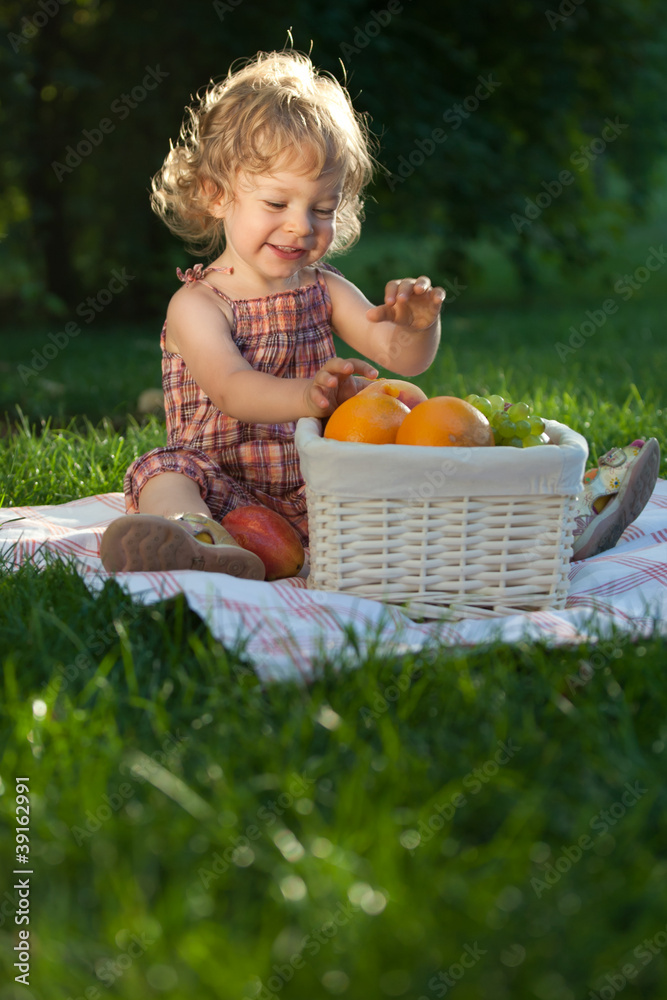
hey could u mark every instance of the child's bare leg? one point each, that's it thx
(171, 493)
(152, 541)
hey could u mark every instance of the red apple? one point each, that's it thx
(268, 535)
(408, 393)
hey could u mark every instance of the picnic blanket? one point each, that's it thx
(286, 630)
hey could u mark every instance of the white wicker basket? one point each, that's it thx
(461, 532)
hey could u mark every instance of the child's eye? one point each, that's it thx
(327, 212)
(275, 204)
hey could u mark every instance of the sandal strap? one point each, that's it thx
(616, 457)
(198, 524)
(606, 480)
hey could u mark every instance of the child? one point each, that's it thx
(271, 166)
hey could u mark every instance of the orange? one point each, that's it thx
(448, 421)
(371, 418)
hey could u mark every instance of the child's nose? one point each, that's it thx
(300, 224)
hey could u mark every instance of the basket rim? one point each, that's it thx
(414, 472)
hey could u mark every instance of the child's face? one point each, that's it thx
(279, 223)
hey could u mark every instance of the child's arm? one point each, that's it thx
(402, 334)
(199, 332)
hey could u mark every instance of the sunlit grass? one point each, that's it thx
(47, 465)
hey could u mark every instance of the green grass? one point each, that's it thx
(156, 749)
(52, 464)
(427, 803)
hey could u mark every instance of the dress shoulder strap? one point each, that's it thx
(328, 267)
(196, 273)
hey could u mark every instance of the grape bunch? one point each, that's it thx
(513, 424)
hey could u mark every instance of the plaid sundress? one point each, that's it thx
(287, 334)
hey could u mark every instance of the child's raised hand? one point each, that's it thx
(334, 383)
(410, 302)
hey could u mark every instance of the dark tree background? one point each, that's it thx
(92, 90)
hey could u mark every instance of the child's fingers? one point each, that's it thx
(435, 296)
(429, 302)
(424, 301)
(390, 291)
(347, 366)
(415, 287)
(363, 368)
(433, 302)
(395, 312)
(407, 299)
(337, 366)
(404, 287)
(378, 314)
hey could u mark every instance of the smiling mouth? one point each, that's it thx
(283, 251)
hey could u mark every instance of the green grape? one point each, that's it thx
(473, 399)
(507, 433)
(500, 419)
(484, 406)
(513, 423)
(519, 411)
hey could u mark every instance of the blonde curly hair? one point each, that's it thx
(273, 106)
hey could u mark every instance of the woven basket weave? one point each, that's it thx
(470, 532)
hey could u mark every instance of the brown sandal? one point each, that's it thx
(146, 543)
(614, 496)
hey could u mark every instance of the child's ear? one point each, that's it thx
(218, 203)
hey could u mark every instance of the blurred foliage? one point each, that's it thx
(263, 812)
(99, 87)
